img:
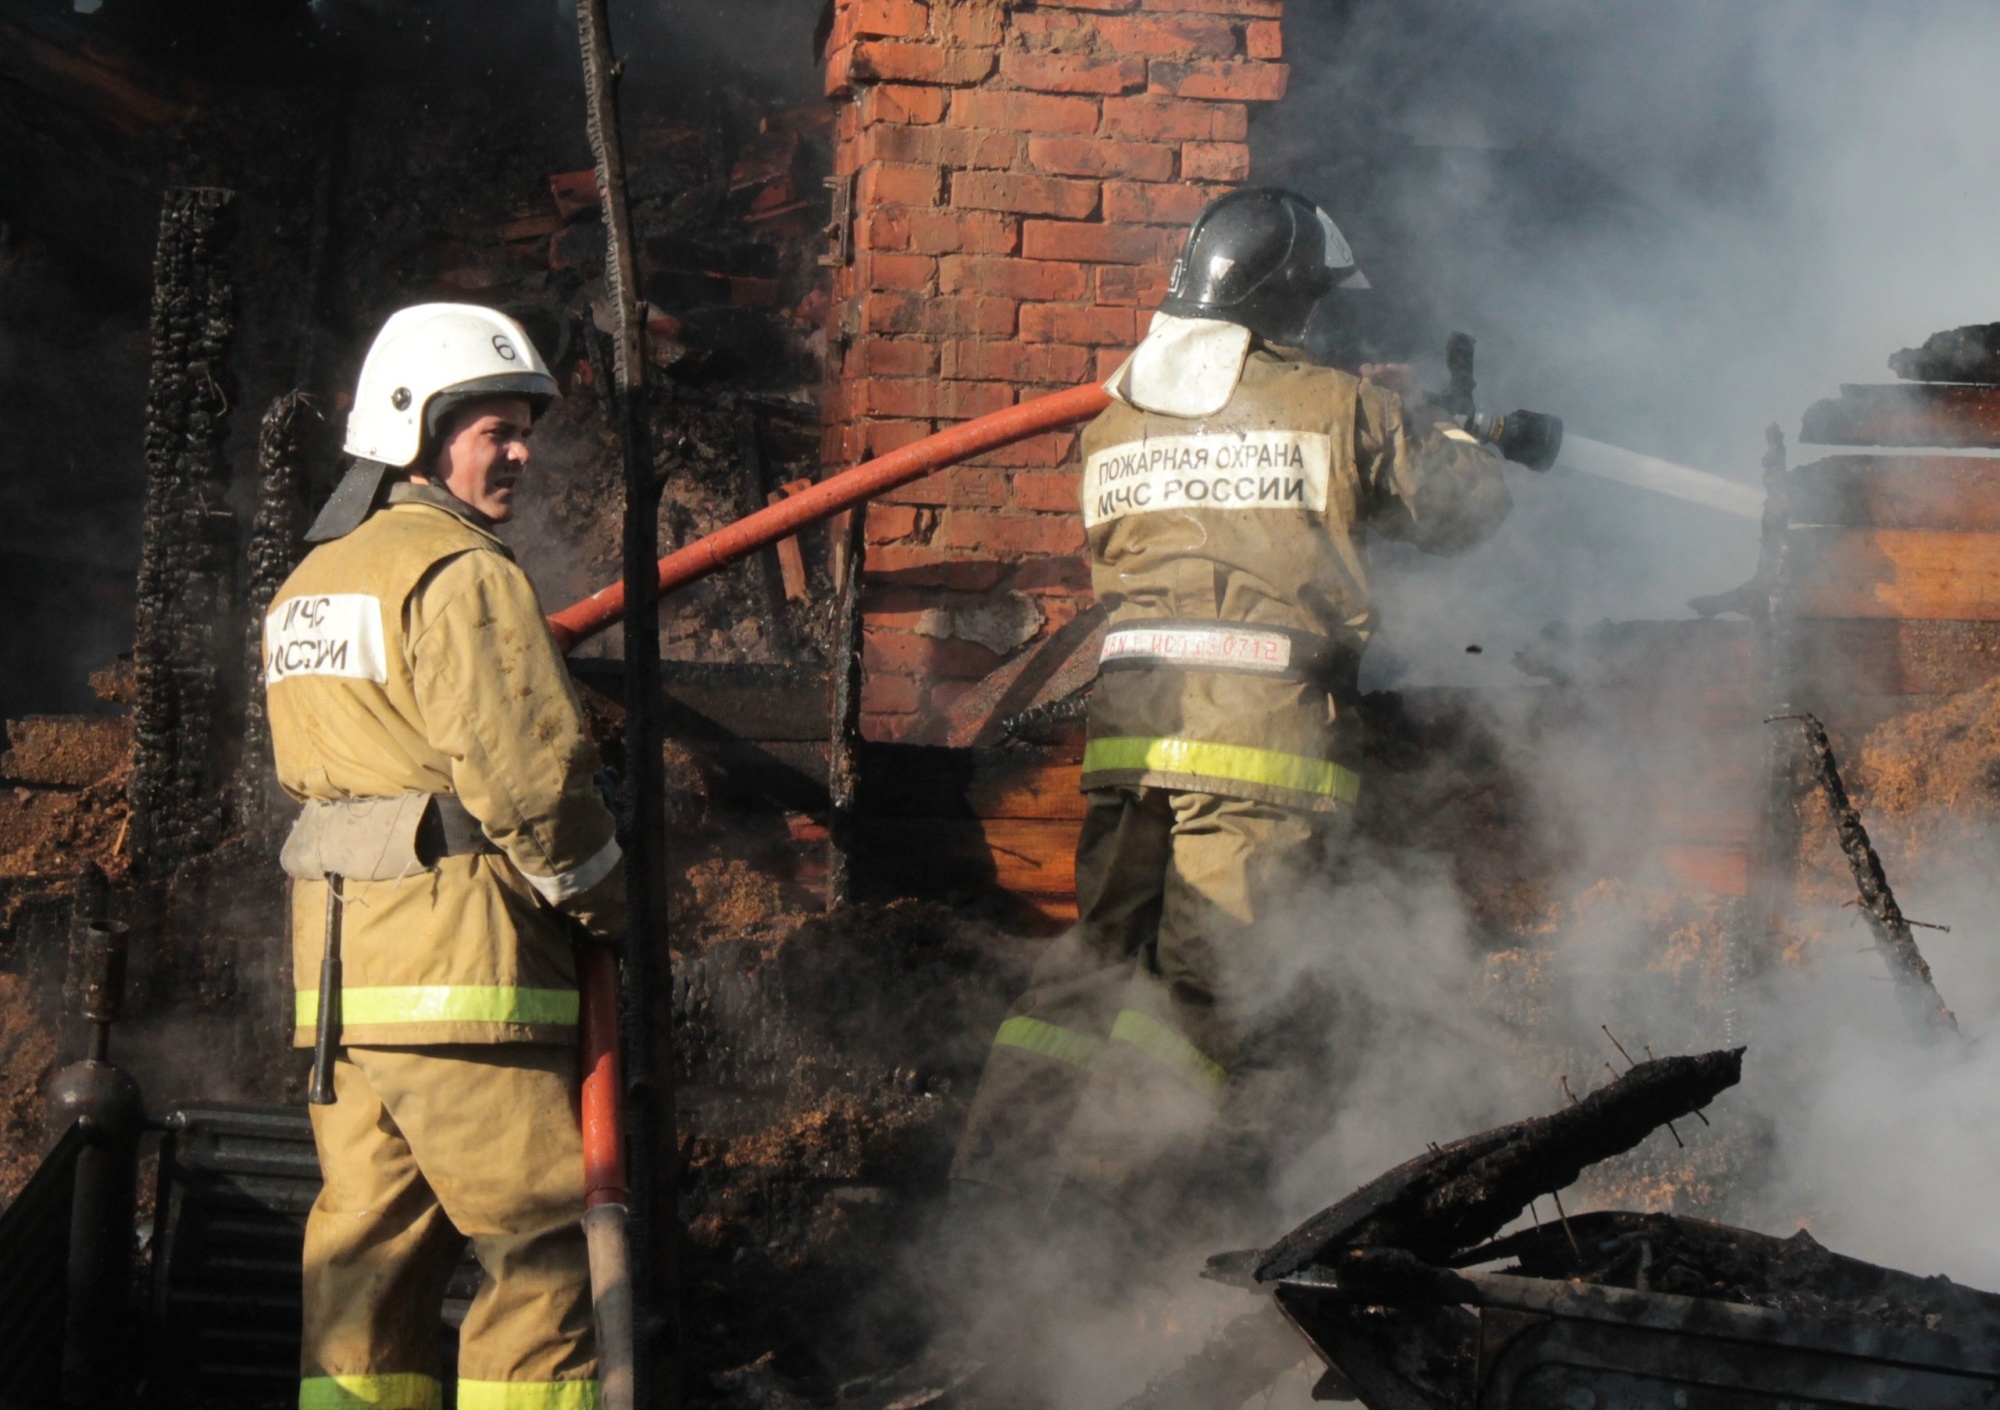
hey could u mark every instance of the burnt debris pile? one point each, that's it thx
(1440, 1203)
(1394, 1288)
(1666, 1253)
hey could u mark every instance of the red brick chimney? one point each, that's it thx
(1019, 180)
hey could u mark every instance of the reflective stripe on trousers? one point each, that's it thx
(400, 1391)
(1147, 1034)
(1162, 1044)
(442, 1003)
(1050, 1040)
(1238, 763)
(417, 1392)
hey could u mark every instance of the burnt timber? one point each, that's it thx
(1606, 1308)
(1439, 1203)
(1922, 414)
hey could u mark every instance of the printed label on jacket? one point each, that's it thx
(1238, 648)
(336, 634)
(1217, 470)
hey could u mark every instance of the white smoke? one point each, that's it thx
(1672, 225)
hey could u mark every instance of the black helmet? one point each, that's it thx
(1261, 257)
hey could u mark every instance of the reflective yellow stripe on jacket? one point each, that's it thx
(442, 1003)
(400, 1391)
(1238, 763)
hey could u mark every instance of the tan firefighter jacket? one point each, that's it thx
(1227, 550)
(411, 658)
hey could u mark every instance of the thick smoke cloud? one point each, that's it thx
(1672, 225)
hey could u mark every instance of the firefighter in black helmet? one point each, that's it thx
(1225, 493)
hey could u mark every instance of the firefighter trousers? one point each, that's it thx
(424, 1148)
(1111, 1069)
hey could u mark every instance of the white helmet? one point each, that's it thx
(429, 358)
(426, 361)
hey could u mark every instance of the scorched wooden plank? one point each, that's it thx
(1951, 492)
(1924, 414)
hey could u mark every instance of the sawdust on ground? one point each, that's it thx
(27, 1057)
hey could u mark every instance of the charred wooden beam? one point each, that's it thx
(1950, 492)
(1877, 900)
(752, 470)
(1694, 1258)
(186, 587)
(1968, 354)
(844, 708)
(1890, 415)
(1461, 1194)
(86, 79)
(277, 543)
(645, 956)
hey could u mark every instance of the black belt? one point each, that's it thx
(1206, 644)
(448, 830)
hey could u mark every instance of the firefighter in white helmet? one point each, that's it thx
(450, 835)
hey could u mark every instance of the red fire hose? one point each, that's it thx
(603, 1137)
(604, 1218)
(604, 1183)
(829, 497)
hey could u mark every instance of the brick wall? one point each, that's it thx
(1022, 176)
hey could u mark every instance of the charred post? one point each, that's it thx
(844, 764)
(1877, 899)
(277, 541)
(186, 584)
(647, 989)
(752, 471)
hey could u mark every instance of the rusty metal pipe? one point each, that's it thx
(105, 1102)
(585, 619)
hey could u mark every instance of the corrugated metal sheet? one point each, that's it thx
(34, 1272)
(235, 1185)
